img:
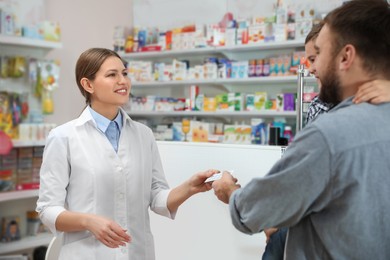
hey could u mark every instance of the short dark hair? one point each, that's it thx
(365, 24)
(315, 30)
(89, 64)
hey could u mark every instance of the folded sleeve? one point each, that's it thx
(160, 188)
(54, 179)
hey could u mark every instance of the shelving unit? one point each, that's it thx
(18, 195)
(22, 46)
(215, 50)
(243, 81)
(265, 113)
(16, 203)
(28, 42)
(272, 84)
(26, 242)
(19, 143)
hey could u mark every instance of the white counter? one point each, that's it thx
(202, 228)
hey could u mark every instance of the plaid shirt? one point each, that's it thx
(316, 108)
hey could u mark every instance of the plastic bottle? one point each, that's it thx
(252, 68)
(266, 67)
(259, 68)
(288, 133)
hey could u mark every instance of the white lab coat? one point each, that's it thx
(81, 172)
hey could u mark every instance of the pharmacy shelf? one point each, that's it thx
(242, 81)
(17, 195)
(168, 54)
(34, 48)
(266, 113)
(20, 143)
(28, 42)
(263, 46)
(26, 243)
(215, 50)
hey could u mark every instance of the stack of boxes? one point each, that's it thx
(8, 169)
(19, 170)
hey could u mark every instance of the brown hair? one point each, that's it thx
(365, 25)
(89, 64)
(315, 30)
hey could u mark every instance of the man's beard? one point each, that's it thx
(330, 88)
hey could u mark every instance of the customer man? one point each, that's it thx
(332, 184)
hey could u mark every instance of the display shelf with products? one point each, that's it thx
(235, 114)
(229, 81)
(272, 45)
(26, 85)
(18, 205)
(244, 69)
(15, 204)
(17, 195)
(25, 243)
(22, 166)
(22, 143)
(13, 41)
(22, 46)
(268, 88)
(241, 81)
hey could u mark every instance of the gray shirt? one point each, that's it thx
(331, 188)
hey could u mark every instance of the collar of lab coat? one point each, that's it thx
(86, 117)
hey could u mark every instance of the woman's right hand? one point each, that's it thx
(107, 231)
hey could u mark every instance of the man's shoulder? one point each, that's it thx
(350, 124)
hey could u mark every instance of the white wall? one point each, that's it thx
(84, 24)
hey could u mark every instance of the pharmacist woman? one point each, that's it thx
(102, 172)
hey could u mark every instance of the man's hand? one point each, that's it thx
(225, 186)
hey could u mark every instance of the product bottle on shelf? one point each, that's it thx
(288, 133)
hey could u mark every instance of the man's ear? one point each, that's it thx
(86, 83)
(348, 56)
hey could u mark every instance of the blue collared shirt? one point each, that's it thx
(103, 124)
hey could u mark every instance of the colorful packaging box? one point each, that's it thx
(249, 102)
(259, 131)
(260, 99)
(200, 131)
(209, 104)
(289, 101)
